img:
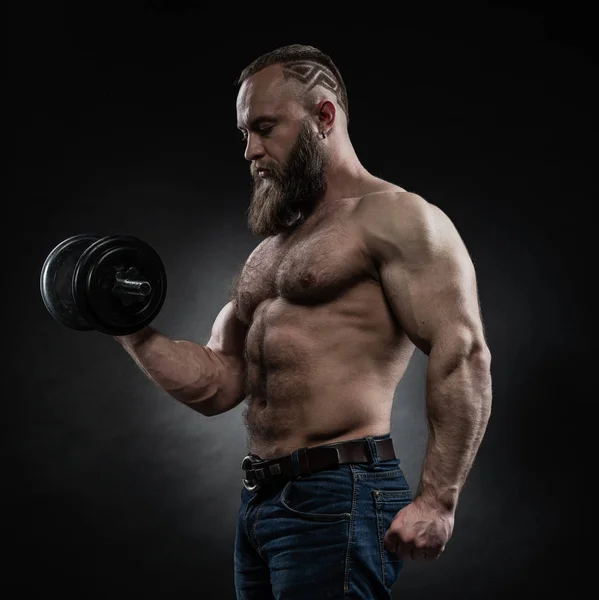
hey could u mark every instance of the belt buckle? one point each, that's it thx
(246, 484)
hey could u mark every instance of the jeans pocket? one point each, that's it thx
(387, 503)
(323, 496)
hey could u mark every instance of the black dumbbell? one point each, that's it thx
(114, 284)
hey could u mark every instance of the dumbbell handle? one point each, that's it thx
(134, 287)
(130, 284)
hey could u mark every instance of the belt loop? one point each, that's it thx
(374, 456)
(299, 463)
(295, 466)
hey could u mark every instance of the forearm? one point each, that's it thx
(189, 372)
(458, 401)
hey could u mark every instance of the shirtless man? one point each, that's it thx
(353, 273)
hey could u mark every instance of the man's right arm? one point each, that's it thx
(211, 378)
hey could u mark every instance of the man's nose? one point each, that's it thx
(254, 149)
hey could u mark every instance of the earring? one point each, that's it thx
(323, 134)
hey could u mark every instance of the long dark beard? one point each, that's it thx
(288, 195)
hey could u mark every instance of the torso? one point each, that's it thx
(324, 352)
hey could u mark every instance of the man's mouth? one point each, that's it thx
(263, 173)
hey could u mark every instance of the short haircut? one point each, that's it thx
(308, 65)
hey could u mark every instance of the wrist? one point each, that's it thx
(442, 498)
(134, 339)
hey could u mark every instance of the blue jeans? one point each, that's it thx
(321, 536)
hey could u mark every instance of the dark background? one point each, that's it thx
(121, 119)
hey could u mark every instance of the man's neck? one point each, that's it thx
(345, 176)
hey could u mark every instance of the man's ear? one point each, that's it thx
(326, 113)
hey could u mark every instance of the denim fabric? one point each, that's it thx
(321, 536)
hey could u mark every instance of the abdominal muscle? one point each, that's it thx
(323, 373)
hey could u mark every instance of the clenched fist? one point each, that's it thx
(420, 531)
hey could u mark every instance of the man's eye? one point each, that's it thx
(265, 130)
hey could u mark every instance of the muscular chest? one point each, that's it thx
(313, 267)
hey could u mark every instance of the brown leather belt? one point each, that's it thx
(259, 472)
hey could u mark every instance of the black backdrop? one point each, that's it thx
(122, 118)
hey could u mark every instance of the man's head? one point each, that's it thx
(287, 109)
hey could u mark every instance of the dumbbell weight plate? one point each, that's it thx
(56, 281)
(94, 279)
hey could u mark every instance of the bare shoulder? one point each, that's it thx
(397, 223)
(263, 245)
(262, 252)
(376, 208)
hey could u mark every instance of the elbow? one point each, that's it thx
(220, 399)
(459, 348)
(469, 343)
(223, 391)
(208, 403)
(477, 360)
(218, 405)
(479, 355)
(209, 407)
